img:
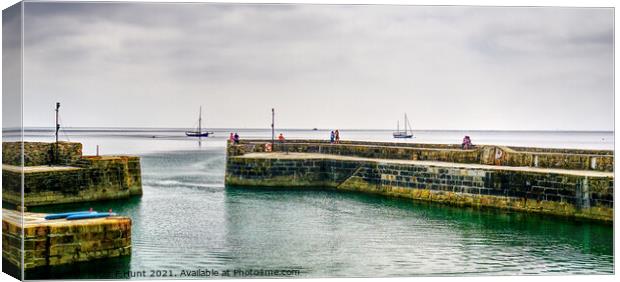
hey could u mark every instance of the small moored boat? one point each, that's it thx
(90, 215)
(407, 133)
(198, 132)
(65, 214)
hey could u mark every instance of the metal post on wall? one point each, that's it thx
(57, 129)
(273, 130)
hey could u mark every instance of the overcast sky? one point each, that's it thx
(325, 66)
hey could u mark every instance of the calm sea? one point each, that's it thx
(187, 220)
(140, 141)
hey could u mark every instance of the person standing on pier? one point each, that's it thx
(466, 143)
(337, 136)
(236, 138)
(332, 137)
(231, 138)
(281, 138)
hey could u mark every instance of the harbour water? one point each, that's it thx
(187, 220)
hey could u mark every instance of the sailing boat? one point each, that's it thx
(403, 134)
(198, 132)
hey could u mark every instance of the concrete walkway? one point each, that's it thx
(38, 168)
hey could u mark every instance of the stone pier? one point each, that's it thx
(61, 241)
(49, 173)
(69, 179)
(564, 182)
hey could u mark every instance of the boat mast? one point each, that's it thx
(200, 121)
(410, 127)
(397, 125)
(405, 123)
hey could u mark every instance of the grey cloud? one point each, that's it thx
(11, 67)
(436, 61)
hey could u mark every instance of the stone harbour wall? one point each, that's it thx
(77, 179)
(95, 179)
(576, 159)
(550, 193)
(127, 167)
(57, 242)
(541, 192)
(555, 185)
(40, 153)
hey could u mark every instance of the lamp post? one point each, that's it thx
(57, 128)
(273, 130)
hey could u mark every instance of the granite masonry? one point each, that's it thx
(60, 241)
(66, 177)
(572, 183)
(59, 173)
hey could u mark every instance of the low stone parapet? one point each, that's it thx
(41, 153)
(577, 159)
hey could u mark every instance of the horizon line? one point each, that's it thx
(106, 128)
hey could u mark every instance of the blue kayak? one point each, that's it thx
(66, 214)
(90, 215)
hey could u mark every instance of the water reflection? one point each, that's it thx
(111, 268)
(330, 233)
